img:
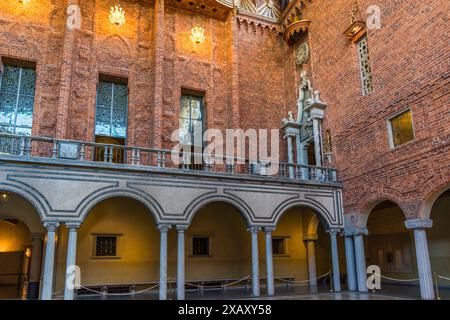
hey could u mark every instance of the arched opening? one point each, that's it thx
(117, 252)
(439, 243)
(302, 253)
(390, 245)
(21, 241)
(218, 253)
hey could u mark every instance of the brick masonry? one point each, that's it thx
(250, 80)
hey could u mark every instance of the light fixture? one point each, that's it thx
(24, 1)
(4, 196)
(28, 253)
(357, 27)
(117, 15)
(197, 32)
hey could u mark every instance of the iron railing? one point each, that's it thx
(12, 145)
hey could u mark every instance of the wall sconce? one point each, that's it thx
(4, 196)
(117, 15)
(28, 253)
(357, 27)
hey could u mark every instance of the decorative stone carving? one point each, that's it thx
(419, 223)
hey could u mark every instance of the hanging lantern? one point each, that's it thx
(4, 196)
(117, 15)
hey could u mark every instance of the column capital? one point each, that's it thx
(269, 229)
(354, 231)
(182, 227)
(72, 226)
(51, 226)
(333, 231)
(164, 227)
(418, 223)
(310, 237)
(254, 229)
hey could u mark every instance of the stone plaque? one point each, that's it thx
(68, 150)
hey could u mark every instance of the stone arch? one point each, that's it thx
(432, 196)
(322, 213)
(373, 198)
(313, 224)
(33, 222)
(237, 203)
(94, 199)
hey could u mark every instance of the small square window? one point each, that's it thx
(278, 246)
(106, 246)
(401, 129)
(200, 246)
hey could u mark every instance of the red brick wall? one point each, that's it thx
(410, 66)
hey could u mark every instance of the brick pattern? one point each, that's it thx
(250, 80)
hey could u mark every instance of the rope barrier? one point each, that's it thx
(303, 281)
(119, 294)
(393, 279)
(442, 277)
(219, 286)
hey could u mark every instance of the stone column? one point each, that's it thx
(71, 261)
(181, 263)
(49, 260)
(360, 259)
(35, 267)
(317, 149)
(163, 229)
(310, 240)
(255, 261)
(269, 261)
(290, 156)
(423, 256)
(350, 260)
(335, 259)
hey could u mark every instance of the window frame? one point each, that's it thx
(192, 247)
(114, 82)
(392, 145)
(21, 66)
(361, 67)
(95, 236)
(285, 247)
(198, 97)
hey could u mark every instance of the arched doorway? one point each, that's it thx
(21, 241)
(218, 253)
(117, 252)
(439, 243)
(302, 253)
(390, 245)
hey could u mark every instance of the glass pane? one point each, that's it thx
(7, 107)
(23, 131)
(10, 79)
(104, 94)
(25, 111)
(196, 109)
(184, 132)
(197, 132)
(102, 121)
(27, 83)
(184, 108)
(119, 116)
(402, 128)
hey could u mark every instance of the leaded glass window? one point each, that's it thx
(364, 66)
(200, 246)
(279, 246)
(112, 105)
(106, 246)
(17, 86)
(191, 120)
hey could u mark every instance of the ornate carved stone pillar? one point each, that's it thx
(71, 260)
(310, 240)
(423, 256)
(269, 260)
(181, 262)
(163, 229)
(49, 260)
(335, 259)
(255, 261)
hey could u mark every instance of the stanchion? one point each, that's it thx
(437, 286)
(331, 281)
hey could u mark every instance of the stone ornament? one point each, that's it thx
(302, 55)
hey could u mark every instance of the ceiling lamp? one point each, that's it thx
(24, 1)
(197, 32)
(117, 15)
(4, 196)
